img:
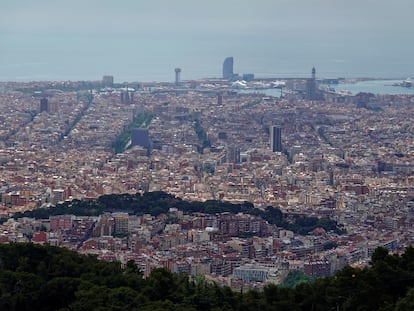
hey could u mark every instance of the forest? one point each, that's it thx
(34, 277)
(158, 202)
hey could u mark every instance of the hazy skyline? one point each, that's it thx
(349, 37)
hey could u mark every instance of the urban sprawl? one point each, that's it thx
(306, 150)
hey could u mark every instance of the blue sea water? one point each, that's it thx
(375, 87)
(144, 58)
(379, 87)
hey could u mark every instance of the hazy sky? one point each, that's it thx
(228, 16)
(382, 28)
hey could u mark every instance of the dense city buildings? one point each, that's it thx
(347, 158)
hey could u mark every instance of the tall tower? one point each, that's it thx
(177, 75)
(228, 68)
(219, 98)
(44, 105)
(276, 139)
(125, 98)
(311, 86)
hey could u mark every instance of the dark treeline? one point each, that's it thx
(34, 277)
(156, 203)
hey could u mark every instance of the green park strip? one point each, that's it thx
(142, 120)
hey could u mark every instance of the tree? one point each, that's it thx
(406, 303)
(379, 254)
(160, 285)
(59, 292)
(296, 277)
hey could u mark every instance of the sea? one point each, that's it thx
(375, 86)
(56, 57)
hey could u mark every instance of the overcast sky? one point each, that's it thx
(191, 16)
(357, 33)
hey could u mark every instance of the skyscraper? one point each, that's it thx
(311, 86)
(140, 137)
(276, 139)
(177, 75)
(44, 106)
(228, 68)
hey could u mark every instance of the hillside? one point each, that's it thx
(156, 203)
(36, 277)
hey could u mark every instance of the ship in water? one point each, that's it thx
(405, 83)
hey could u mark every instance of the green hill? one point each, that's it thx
(156, 203)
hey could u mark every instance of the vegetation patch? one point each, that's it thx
(34, 277)
(158, 202)
(141, 120)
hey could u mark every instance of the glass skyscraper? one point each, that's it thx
(276, 139)
(228, 68)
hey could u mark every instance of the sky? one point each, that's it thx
(187, 16)
(173, 31)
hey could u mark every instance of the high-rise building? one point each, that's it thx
(121, 222)
(219, 99)
(43, 105)
(233, 154)
(108, 80)
(276, 139)
(248, 77)
(177, 75)
(59, 195)
(228, 68)
(52, 107)
(127, 97)
(140, 137)
(48, 106)
(311, 86)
